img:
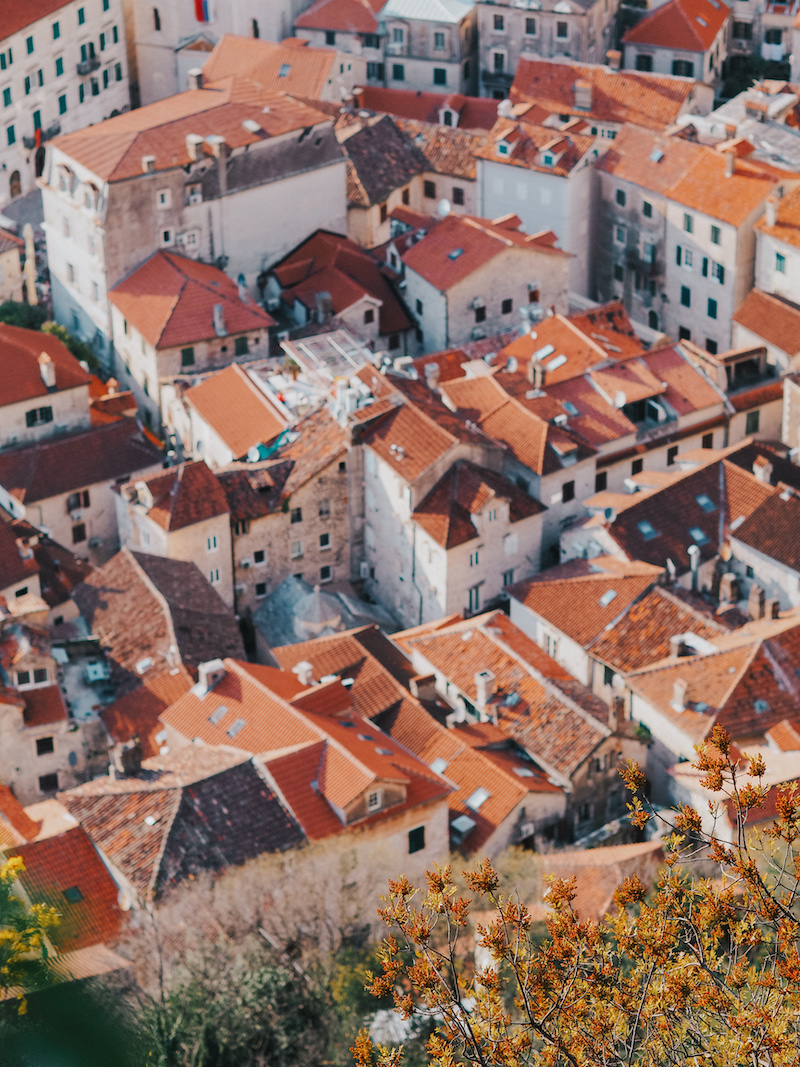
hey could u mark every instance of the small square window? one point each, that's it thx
(458, 196)
(296, 515)
(647, 209)
(79, 533)
(600, 481)
(325, 574)
(620, 197)
(373, 801)
(48, 783)
(568, 492)
(530, 27)
(416, 839)
(259, 555)
(261, 589)
(429, 190)
(562, 29)
(499, 23)
(369, 316)
(637, 466)
(44, 746)
(438, 42)
(708, 440)
(480, 314)
(507, 306)
(398, 72)
(40, 675)
(187, 356)
(439, 76)
(330, 37)
(241, 346)
(324, 541)
(752, 422)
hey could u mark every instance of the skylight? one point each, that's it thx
(647, 530)
(706, 503)
(384, 751)
(702, 21)
(285, 68)
(554, 364)
(439, 766)
(72, 895)
(455, 253)
(656, 155)
(761, 706)
(523, 772)
(365, 737)
(698, 536)
(569, 407)
(480, 796)
(607, 597)
(218, 714)
(235, 727)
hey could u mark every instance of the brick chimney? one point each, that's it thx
(47, 369)
(614, 59)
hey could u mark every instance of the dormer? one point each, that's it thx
(143, 495)
(551, 153)
(583, 95)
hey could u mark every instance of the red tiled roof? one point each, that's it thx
(182, 496)
(528, 141)
(328, 262)
(461, 244)
(785, 736)
(306, 70)
(113, 149)
(474, 113)
(422, 441)
(21, 353)
(445, 150)
(14, 567)
(170, 301)
(773, 529)
(137, 713)
(773, 318)
(705, 187)
(346, 16)
(240, 413)
(650, 100)
(73, 461)
(688, 25)
(16, 826)
(446, 513)
(450, 364)
(43, 705)
(15, 17)
(67, 873)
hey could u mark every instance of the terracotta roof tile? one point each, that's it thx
(773, 318)
(705, 188)
(181, 496)
(16, 17)
(465, 490)
(240, 413)
(20, 368)
(450, 364)
(474, 113)
(421, 440)
(265, 63)
(382, 159)
(445, 150)
(346, 16)
(136, 714)
(320, 441)
(688, 25)
(773, 529)
(43, 705)
(330, 263)
(170, 301)
(528, 141)
(787, 223)
(784, 736)
(16, 825)
(650, 100)
(66, 873)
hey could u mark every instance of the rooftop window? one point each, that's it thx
(284, 71)
(607, 597)
(647, 530)
(706, 503)
(235, 727)
(479, 797)
(698, 536)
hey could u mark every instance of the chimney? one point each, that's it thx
(616, 713)
(755, 602)
(111, 386)
(484, 687)
(771, 211)
(679, 688)
(208, 674)
(423, 686)
(771, 608)
(730, 163)
(148, 164)
(221, 150)
(583, 95)
(195, 77)
(676, 645)
(614, 59)
(24, 548)
(127, 758)
(304, 672)
(536, 374)
(762, 469)
(47, 369)
(728, 588)
(694, 562)
(193, 144)
(219, 320)
(432, 376)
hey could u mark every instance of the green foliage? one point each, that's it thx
(743, 71)
(16, 313)
(79, 349)
(23, 951)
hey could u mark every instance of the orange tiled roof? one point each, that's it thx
(773, 318)
(170, 301)
(650, 100)
(474, 112)
(446, 513)
(773, 529)
(67, 873)
(183, 495)
(21, 353)
(528, 141)
(240, 413)
(787, 223)
(136, 714)
(422, 441)
(346, 16)
(285, 68)
(113, 149)
(445, 150)
(688, 25)
(462, 244)
(16, 826)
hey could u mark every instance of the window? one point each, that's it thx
(44, 746)
(27, 85)
(118, 72)
(715, 235)
(324, 509)
(325, 574)
(620, 235)
(530, 27)
(477, 798)
(743, 31)
(372, 40)
(23, 677)
(416, 839)
(261, 589)
(59, 66)
(672, 455)
(330, 37)
(167, 237)
(95, 86)
(29, 45)
(712, 308)
(259, 556)
(718, 272)
(37, 120)
(373, 801)
(187, 356)
(369, 316)
(397, 35)
(647, 530)
(708, 440)
(474, 598)
(439, 76)
(600, 481)
(686, 296)
(498, 62)
(40, 675)
(507, 306)
(474, 558)
(438, 42)
(78, 533)
(644, 62)
(56, 31)
(647, 209)
(213, 575)
(48, 783)
(62, 104)
(567, 492)
(398, 72)
(688, 259)
(419, 307)
(780, 263)
(620, 197)
(682, 68)
(608, 675)
(480, 314)
(619, 272)
(38, 416)
(81, 92)
(7, 99)
(115, 35)
(211, 544)
(297, 549)
(81, 16)
(684, 333)
(241, 346)
(164, 198)
(561, 29)
(458, 196)
(296, 515)
(499, 23)
(637, 466)
(78, 500)
(102, 42)
(751, 423)
(156, 20)
(324, 541)
(688, 223)
(774, 35)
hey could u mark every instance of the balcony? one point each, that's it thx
(500, 79)
(45, 135)
(87, 66)
(648, 268)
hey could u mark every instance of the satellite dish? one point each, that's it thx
(444, 208)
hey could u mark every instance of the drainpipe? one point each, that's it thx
(414, 568)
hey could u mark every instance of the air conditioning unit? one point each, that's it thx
(478, 333)
(245, 563)
(76, 516)
(95, 542)
(363, 570)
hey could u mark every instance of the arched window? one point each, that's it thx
(652, 320)
(15, 184)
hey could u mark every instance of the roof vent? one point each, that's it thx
(193, 143)
(148, 164)
(219, 320)
(304, 672)
(679, 688)
(252, 126)
(195, 78)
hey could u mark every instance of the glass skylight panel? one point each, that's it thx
(480, 796)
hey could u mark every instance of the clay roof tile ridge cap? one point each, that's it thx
(176, 803)
(162, 600)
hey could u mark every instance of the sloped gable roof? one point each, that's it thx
(688, 25)
(184, 495)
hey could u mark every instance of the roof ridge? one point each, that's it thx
(165, 607)
(165, 838)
